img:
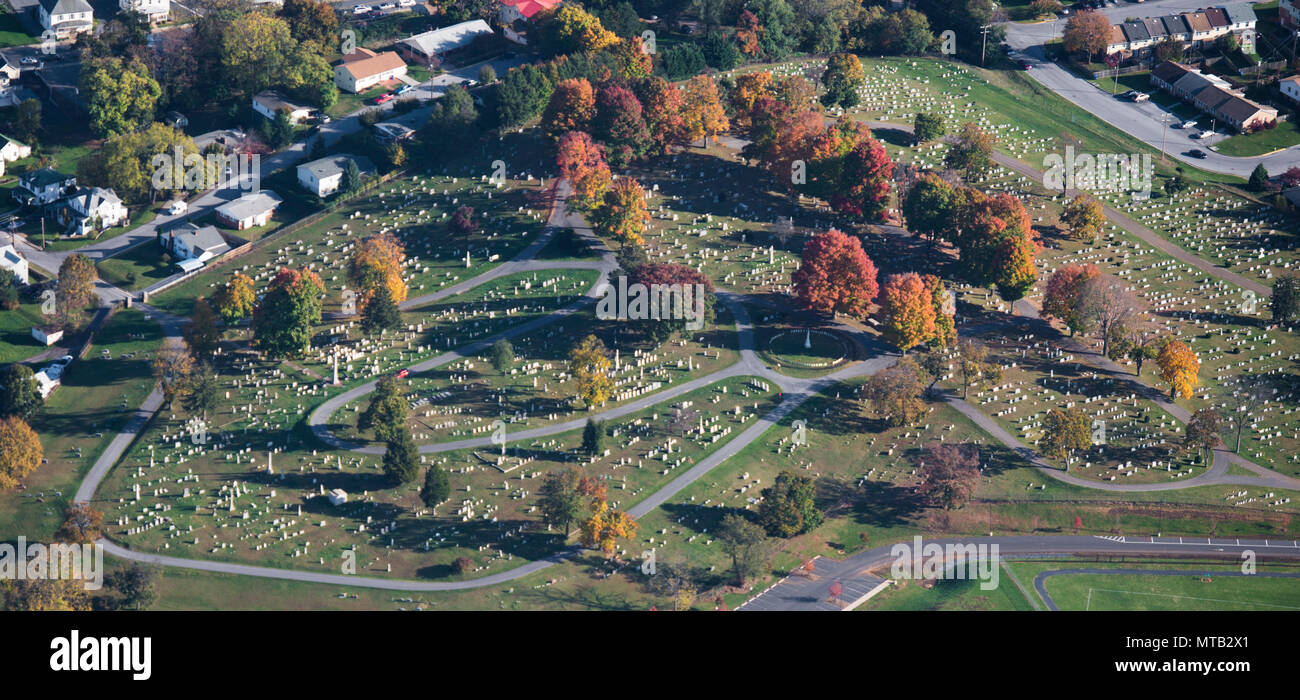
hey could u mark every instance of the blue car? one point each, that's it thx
(404, 89)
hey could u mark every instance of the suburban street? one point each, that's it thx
(1142, 120)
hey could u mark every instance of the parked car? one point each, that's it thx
(404, 89)
(1141, 97)
(1197, 153)
(1205, 134)
(386, 97)
(406, 3)
(388, 6)
(1189, 124)
(64, 361)
(467, 83)
(30, 60)
(361, 9)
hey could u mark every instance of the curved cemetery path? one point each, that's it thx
(795, 392)
(1040, 580)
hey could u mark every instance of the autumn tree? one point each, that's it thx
(867, 173)
(1083, 216)
(944, 304)
(311, 20)
(842, 78)
(1178, 368)
(970, 151)
(571, 29)
(75, 288)
(746, 543)
(623, 213)
(605, 526)
(703, 115)
(20, 451)
(1106, 302)
(1202, 432)
(670, 320)
(290, 308)
(663, 107)
(572, 107)
(974, 364)
(172, 366)
(749, 88)
(1064, 431)
(378, 262)
(789, 506)
(82, 524)
(619, 123)
(1087, 31)
(582, 162)
(835, 275)
(119, 94)
(44, 594)
(995, 236)
(906, 310)
(20, 393)
(236, 299)
(202, 334)
(590, 366)
(1061, 298)
(948, 473)
(894, 394)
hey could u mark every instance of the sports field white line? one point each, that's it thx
(1088, 606)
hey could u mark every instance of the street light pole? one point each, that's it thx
(1165, 122)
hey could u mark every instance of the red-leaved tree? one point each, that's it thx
(836, 275)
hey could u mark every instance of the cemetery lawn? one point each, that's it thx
(98, 395)
(488, 519)
(16, 341)
(1284, 135)
(1138, 592)
(948, 594)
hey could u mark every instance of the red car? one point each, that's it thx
(402, 373)
(386, 97)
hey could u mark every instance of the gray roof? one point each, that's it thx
(66, 7)
(335, 164)
(43, 177)
(1240, 13)
(251, 204)
(434, 42)
(1192, 82)
(1155, 27)
(92, 198)
(1174, 24)
(206, 238)
(1136, 31)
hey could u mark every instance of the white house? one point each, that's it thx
(91, 209)
(250, 210)
(324, 176)
(155, 10)
(47, 335)
(47, 382)
(1290, 88)
(11, 150)
(66, 18)
(13, 261)
(269, 102)
(190, 242)
(39, 187)
(363, 69)
(8, 72)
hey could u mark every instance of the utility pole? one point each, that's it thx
(984, 29)
(1165, 122)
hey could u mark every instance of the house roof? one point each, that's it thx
(5, 141)
(250, 205)
(1294, 80)
(393, 130)
(1217, 17)
(1136, 31)
(1240, 13)
(1213, 96)
(448, 38)
(1116, 36)
(90, 199)
(1169, 72)
(1174, 24)
(1155, 27)
(275, 101)
(9, 257)
(1241, 110)
(65, 7)
(361, 65)
(335, 164)
(528, 8)
(1195, 81)
(1197, 21)
(200, 238)
(43, 178)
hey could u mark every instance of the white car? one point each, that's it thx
(361, 9)
(388, 6)
(1205, 134)
(406, 3)
(1191, 124)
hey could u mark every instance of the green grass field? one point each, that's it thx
(1137, 592)
(1284, 135)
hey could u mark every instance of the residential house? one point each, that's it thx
(8, 72)
(363, 69)
(1137, 35)
(1167, 73)
(155, 10)
(41, 187)
(1214, 96)
(190, 242)
(176, 120)
(1290, 88)
(13, 261)
(250, 210)
(516, 16)
(1155, 29)
(1116, 41)
(66, 18)
(91, 209)
(324, 176)
(11, 150)
(269, 102)
(47, 380)
(1194, 81)
(1241, 16)
(1245, 115)
(1176, 28)
(1200, 25)
(427, 49)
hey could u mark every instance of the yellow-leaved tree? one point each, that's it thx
(1178, 368)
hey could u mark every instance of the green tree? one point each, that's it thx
(559, 499)
(746, 543)
(352, 178)
(119, 95)
(381, 312)
(1064, 431)
(788, 507)
(487, 74)
(1258, 178)
(1284, 300)
(843, 76)
(27, 120)
(503, 355)
(593, 436)
(136, 586)
(437, 488)
(927, 126)
(401, 459)
(202, 391)
(20, 393)
(290, 308)
(388, 411)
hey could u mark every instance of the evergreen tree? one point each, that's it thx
(436, 486)
(503, 355)
(593, 436)
(401, 460)
(381, 313)
(1258, 178)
